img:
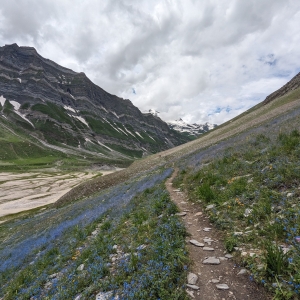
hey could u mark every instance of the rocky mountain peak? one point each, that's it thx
(64, 107)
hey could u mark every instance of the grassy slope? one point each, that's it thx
(20, 152)
(126, 218)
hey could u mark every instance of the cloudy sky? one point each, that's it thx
(205, 60)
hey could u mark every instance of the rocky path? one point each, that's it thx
(213, 274)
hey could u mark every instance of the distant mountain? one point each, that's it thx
(191, 129)
(60, 107)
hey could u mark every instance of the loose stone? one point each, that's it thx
(211, 261)
(196, 243)
(191, 293)
(181, 214)
(208, 241)
(206, 229)
(215, 280)
(208, 249)
(198, 214)
(106, 296)
(81, 267)
(208, 207)
(222, 258)
(229, 256)
(192, 278)
(238, 233)
(222, 286)
(193, 287)
(242, 272)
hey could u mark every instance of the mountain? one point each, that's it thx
(191, 129)
(64, 109)
(121, 236)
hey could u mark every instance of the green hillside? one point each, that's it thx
(120, 235)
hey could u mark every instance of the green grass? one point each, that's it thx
(255, 189)
(126, 151)
(147, 242)
(54, 111)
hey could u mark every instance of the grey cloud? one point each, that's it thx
(25, 19)
(184, 58)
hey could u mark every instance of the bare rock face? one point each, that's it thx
(62, 106)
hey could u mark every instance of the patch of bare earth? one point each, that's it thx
(211, 277)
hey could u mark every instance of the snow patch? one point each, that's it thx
(192, 129)
(114, 114)
(81, 119)
(129, 131)
(2, 100)
(151, 137)
(123, 131)
(69, 108)
(104, 146)
(15, 104)
(138, 134)
(101, 107)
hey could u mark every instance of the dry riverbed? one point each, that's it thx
(25, 191)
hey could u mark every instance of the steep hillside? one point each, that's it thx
(120, 237)
(63, 108)
(292, 85)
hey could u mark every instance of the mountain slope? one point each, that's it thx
(125, 240)
(292, 85)
(64, 108)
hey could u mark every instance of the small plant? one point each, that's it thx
(205, 192)
(276, 260)
(290, 141)
(230, 243)
(106, 225)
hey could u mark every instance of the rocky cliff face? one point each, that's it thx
(60, 106)
(293, 84)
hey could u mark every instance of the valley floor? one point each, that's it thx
(25, 191)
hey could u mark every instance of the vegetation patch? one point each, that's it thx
(126, 151)
(255, 192)
(126, 241)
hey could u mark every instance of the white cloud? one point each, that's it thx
(183, 58)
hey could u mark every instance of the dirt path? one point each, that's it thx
(240, 286)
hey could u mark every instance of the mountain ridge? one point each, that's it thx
(61, 106)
